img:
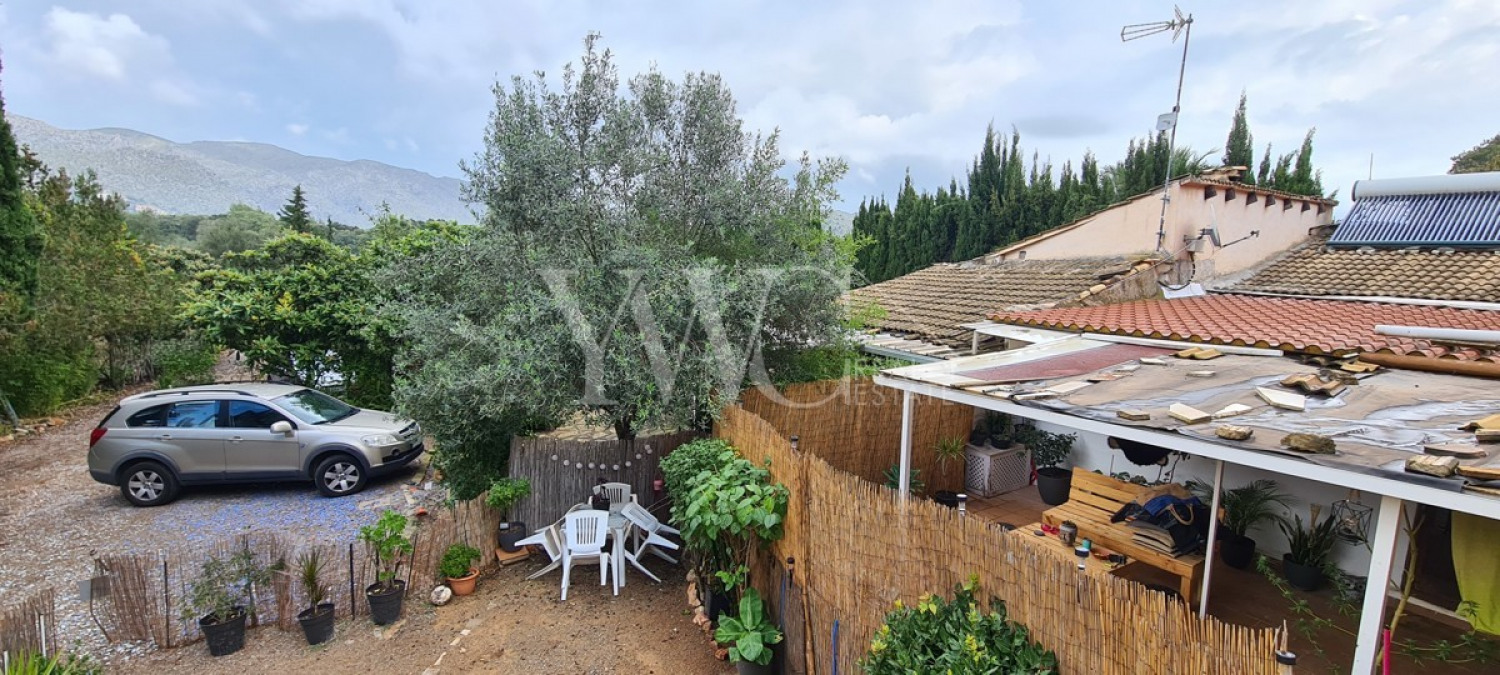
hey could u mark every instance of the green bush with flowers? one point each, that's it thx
(956, 638)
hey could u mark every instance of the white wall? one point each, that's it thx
(1091, 452)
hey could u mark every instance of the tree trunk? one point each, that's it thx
(623, 430)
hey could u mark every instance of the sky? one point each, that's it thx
(889, 86)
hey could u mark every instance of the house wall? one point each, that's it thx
(1093, 453)
(1131, 228)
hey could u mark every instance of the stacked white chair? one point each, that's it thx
(584, 535)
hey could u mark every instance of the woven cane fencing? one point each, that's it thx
(855, 425)
(564, 472)
(29, 626)
(141, 596)
(852, 548)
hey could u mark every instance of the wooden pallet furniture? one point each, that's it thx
(1092, 500)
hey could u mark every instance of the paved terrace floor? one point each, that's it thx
(1246, 598)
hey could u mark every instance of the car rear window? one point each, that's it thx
(155, 416)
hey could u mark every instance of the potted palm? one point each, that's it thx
(1049, 453)
(1244, 507)
(750, 635)
(219, 597)
(317, 619)
(387, 545)
(457, 566)
(1311, 551)
(949, 450)
(502, 495)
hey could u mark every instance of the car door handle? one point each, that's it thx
(164, 437)
(236, 439)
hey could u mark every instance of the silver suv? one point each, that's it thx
(154, 443)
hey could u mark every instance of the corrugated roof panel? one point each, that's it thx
(1464, 219)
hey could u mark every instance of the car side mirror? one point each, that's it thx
(282, 427)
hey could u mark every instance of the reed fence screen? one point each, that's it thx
(140, 596)
(852, 548)
(29, 626)
(564, 472)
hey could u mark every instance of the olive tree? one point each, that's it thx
(639, 256)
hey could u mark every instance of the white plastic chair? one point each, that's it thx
(646, 528)
(550, 539)
(584, 536)
(619, 495)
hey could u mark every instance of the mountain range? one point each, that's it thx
(206, 177)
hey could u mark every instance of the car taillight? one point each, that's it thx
(96, 434)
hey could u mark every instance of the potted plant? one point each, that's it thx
(457, 566)
(502, 495)
(317, 619)
(218, 599)
(949, 450)
(750, 635)
(1244, 508)
(1049, 452)
(999, 430)
(1311, 551)
(893, 480)
(387, 545)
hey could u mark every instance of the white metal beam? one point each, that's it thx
(1372, 615)
(1213, 537)
(1487, 507)
(906, 422)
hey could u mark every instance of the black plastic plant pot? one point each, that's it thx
(1237, 551)
(385, 606)
(510, 533)
(317, 623)
(224, 637)
(1053, 483)
(718, 604)
(1304, 577)
(947, 498)
(750, 668)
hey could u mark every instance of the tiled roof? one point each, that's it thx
(1289, 324)
(932, 303)
(1318, 270)
(1245, 187)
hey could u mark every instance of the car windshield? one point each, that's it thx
(315, 407)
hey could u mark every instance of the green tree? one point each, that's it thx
(242, 229)
(1482, 157)
(294, 216)
(1239, 148)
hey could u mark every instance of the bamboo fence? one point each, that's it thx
(30, 625)
(141, 596)
(855, 425)
(563, 472)
(852, 548)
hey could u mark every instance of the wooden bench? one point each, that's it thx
(1092, 500)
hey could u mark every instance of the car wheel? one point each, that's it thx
(339, 475)
(148, 484)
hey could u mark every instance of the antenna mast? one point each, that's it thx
(1179, 25)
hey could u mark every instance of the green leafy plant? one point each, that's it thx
(942, 636)
(949, 450)
(457, 560)
(893, 479)
(310, 567)
(505, 492)
(225, 587)
(998, 429)
(1047, 449)
(728, 512)
(387, 545)
(60, 663)
(1310, 544)
(183, 361)
(749, 634)
(1246, 506)
(681, 467)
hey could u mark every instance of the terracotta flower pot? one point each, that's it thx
(464, 585)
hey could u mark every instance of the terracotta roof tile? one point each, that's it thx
(1392, 273)
(1292, 324)
(934, 302)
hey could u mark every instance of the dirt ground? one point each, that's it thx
(509, 625)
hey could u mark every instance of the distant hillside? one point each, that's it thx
(839, 222)
(205, 177)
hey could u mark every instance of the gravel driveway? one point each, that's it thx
(53, 516)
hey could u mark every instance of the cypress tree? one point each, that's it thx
(1239, 147)
(20, 236)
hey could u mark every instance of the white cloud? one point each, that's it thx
(297, 129)
(173, 93)
(102, 47)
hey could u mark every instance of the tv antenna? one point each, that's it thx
(1178, 25)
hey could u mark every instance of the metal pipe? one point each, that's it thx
(1441, 334)
(1213, 536)
(906, 421)
(1382, 299)
(1174, 344)
(1431, 365)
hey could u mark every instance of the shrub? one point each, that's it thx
(505, 492)
(750, 633)
(1047, 449)
(183, 361)
(225, 587)
(310, 567)
(727, 512)
(61, 663)
(456, 561)
(940, 636)
(680, 468)
(387, 545)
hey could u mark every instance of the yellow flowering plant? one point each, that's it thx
(954, 636)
